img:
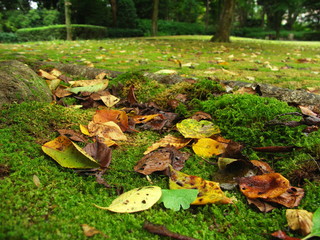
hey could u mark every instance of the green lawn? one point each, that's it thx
(64, 201)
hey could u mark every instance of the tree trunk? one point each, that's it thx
(113, 4)
(67, 11)
(206, 24)
(225, 22)
(155, 13)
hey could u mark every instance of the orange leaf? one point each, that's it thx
(264, 186)
(119, 117)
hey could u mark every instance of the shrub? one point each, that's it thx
(171, 27)
(59, 32)
(8, 37)
(124, 32)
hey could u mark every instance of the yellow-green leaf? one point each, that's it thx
(135, 200)
(206, 147)
(68, 154)
(191, 128)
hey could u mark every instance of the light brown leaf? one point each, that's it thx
(106, 130)
(36, 180)
(89, 231)
(168, 140)
(299, 219)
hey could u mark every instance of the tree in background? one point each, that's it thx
(67, 10)
(155, 13)
(126, 14)
(225, 22)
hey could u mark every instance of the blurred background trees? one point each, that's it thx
(271, 19)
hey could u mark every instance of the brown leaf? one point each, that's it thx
(73, 135)
(154, 161)
(307, 111)
(160, 160)
(61, 92)
(282, 235)
(201, 116)
(46, 75)
(89, 231)
(261, 205)
(275, 149)
(131, 96)
(262, 166)
(100, 152)
(290, 198)
(233, 150)
(269, 185)
(36, 180)
(163, 231)
(106, 130)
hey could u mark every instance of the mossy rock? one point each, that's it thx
(18, 83)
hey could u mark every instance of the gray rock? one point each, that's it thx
(19, 83)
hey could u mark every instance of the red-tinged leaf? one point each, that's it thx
(100, 152)
(282, 235)
(131, 96)
(163, 231)
(262, 166)
(273, 149)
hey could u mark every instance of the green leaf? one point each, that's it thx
(176, 198)
(191, 128)
(315, 232)
(68, 154)
(90, 88)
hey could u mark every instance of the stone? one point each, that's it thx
(19, 83)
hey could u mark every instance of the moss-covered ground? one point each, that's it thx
(63, 201)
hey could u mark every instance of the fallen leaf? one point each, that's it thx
(55, 72)
(191, 128)
(282, 235)
(36, 180)
(163, 231)
(290, 198)
(106, 130)
(146, 118)
(100, 152)
(46, 75)
(263, 167)
(135, 200)
(299, 219)
(109, 100)
(68, 154)
(160, 160)
(90, 231)
(307, 111)
(166, 71)
(119, 117)
(61, 91)
(261, 205)
(84, 130)
(229, 72)
(207, 147)
(245, 90)
(168, 140)
(73, 135)
(315, 231)
(88, 86)
(201, 116)
(131, 96)
(53, 84)
(209, 192)
(269, 185)
(176, 198)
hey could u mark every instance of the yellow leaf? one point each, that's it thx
(106, 130)
(135, 200)
(299, 219)
(209, 192)
(84, 130)
(206, 147)
(86, 83)
(168, 140)
(191, 128)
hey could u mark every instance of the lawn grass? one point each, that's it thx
(64, 201)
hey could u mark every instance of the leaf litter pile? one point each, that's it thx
(117, 118)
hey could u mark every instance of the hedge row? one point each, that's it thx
(59, 32)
